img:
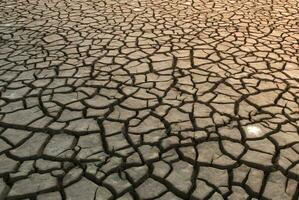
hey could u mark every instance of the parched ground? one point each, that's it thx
(149, 99)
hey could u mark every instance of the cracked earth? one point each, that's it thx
(149, 99)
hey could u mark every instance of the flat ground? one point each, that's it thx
(149, 99)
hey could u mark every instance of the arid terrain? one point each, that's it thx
(149, 99)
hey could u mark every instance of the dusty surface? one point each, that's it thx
(149, 99)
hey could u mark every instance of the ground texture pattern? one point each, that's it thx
(149, 99)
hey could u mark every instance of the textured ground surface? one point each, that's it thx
(149, 99)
